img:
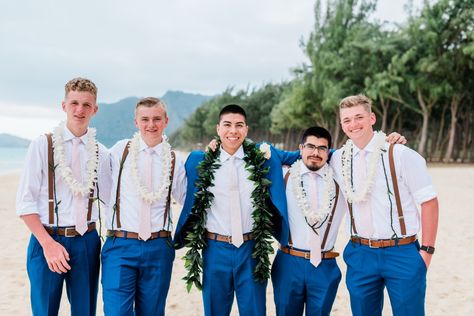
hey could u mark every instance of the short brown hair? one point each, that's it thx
(149, 102)
(355, 100)
(81, 85)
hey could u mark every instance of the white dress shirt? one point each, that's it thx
(300, 231)
(32, 195)
(130, 200)
(218, 216)
(414, 184)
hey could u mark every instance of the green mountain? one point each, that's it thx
(7, 140)
(114, 121)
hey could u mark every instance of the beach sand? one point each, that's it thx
(450, 288)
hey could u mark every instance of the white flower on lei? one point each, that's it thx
(65, 171)
(265, 149)
(360, 195)
(165, 163)
(327, 198)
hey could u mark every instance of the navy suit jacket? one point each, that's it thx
(277, 201)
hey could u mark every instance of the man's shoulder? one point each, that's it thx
(118, 147)
(195, 157)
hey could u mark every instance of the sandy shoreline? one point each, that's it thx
(450, 281)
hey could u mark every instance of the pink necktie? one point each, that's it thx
(235, 209)
(365, 215)
(144, 230)
(78, 199)
(314, 241)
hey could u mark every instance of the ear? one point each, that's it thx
(63, 106)
(373, 118)
(301, 149)
(217, 128)
(135, 121)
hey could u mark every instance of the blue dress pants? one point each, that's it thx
(82, 280)
(136, 275)
(400, 269)
(297, 282)
(228, 269)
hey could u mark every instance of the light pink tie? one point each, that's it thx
(144, 230)
(314, 241)
(365, 214)
(235, 208)
(78, 200)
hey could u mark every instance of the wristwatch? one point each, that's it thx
(428, 249)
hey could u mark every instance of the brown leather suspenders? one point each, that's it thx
(117, 196)
(50, 178)
(51, 184)
(396, 193)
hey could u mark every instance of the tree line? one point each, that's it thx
(419, 74)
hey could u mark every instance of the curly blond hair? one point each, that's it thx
(81, 85)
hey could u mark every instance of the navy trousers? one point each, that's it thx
(82, 280)
(136, 275)
(400, 269)
(297, 282)
(228, 269)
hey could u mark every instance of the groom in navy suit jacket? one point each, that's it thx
(228, 267)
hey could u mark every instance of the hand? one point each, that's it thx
(395, 138)
(56, 256)
(212, 145)
(426, 258)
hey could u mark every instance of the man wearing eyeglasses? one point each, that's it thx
(305, 273)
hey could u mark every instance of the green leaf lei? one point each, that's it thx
(262, 226)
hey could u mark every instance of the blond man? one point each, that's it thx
(63, 175)
(138, 254)
(384, 186)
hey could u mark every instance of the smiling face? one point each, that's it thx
(357, 124)
(232, 130)
(80, 107)
(151, 121)
(314, 152)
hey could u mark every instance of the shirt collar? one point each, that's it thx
(144, 146)
(224, 155)
(68, 135)
(368, 148)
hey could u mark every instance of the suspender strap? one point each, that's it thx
(117, 195)
(50, 178)
(89, 206)
(328, 227)
(168, 201)
(397, 192)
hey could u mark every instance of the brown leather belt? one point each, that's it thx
(306, 254)
(132, 235)
(227, 239)
(383, 243)
(67, 231)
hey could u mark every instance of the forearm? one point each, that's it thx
(34, 224)
(429, 222)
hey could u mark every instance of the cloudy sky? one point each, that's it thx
(143, 48)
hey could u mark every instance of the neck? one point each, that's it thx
(361, 143)
(230, 151)
(77, 131)
(152, 142)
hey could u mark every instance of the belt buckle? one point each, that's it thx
(307, 255)
(69, 229)
(370, 244)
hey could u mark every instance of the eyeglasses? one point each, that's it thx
(311, 148)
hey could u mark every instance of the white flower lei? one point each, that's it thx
(360, 195)
(327, 200)
(76, 187)
(165, 155)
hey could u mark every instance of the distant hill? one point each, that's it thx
(114, 121)
(7, 140)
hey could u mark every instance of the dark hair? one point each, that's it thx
(317, 131)
(232, 108)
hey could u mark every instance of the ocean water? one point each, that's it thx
(12, 159)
